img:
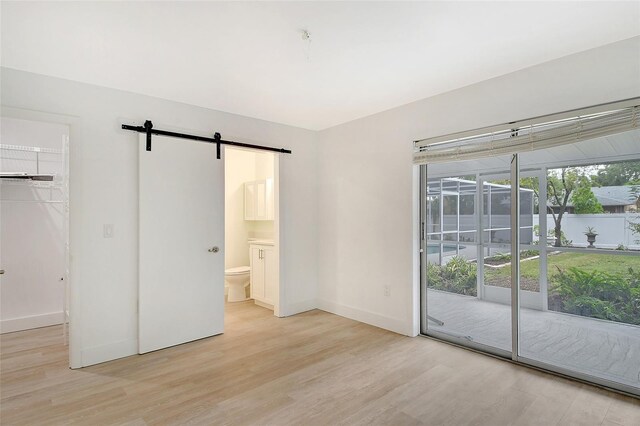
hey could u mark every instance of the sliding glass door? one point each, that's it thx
(576, 207)
(467, 219)
(590, 321)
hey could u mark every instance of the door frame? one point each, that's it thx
(71, 296)
(278, 307)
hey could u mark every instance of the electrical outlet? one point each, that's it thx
(107, 230)
(387, 291)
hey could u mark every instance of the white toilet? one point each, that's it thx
(236, 279)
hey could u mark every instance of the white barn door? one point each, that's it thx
(181, 256)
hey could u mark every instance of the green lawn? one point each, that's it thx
(529, 269)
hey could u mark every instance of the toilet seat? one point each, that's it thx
(238, 270)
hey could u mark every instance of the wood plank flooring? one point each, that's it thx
(311, 369)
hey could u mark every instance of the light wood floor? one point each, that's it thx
(311, 369)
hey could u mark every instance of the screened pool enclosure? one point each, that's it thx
(453, 215)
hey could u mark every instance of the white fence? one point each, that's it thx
(612, 229)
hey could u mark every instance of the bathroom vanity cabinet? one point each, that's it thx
(258, 200)
(264, 285)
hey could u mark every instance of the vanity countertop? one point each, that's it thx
(261, 242)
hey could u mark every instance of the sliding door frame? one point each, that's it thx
(515, 256)
(460, 340)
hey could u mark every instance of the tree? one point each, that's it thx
(561, 183)
(584, 200)
(532, 183)
(624, 173)
(560, 186)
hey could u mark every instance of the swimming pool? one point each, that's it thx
(435, 248)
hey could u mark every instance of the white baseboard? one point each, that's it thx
(109, 352)
(371, 318)
(299, 307)
(34, 321)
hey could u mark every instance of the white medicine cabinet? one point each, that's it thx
(258, 200)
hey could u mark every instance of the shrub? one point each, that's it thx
(588, 306)
(457, 276)
(529, 253)
(635, 228)
(597, 294)
(551, 236)
(501, 257)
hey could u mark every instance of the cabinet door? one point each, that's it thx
(270, 274)
(261, 200)
(249, 201)
(257, 273)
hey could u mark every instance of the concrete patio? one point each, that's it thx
(604, 349)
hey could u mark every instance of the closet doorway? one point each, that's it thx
(34, 237)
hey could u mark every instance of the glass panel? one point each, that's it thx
(589, 205)
(579, 302)
(433, 222)
(450, 212)
(457, 304)
(433, 210)
(499, 213)
(449, 236)
(527, 203)
(455, 219)
(468, 236)
(530, 295)
(435, 237)
(592, 324)
(587, 316)
(467, 218)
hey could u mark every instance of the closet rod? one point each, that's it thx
(217, 139)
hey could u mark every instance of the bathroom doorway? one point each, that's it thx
(252, 255)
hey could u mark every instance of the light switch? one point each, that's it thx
(107, 230)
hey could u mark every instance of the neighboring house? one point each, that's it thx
(614, 199)
(618, 199)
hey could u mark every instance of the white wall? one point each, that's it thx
(239, 168)
(242, 166)
(367, 203)
(104, 189)
(31, 234)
